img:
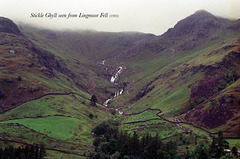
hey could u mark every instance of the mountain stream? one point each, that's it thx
(113, 79)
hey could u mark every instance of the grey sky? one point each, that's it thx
(148, 16)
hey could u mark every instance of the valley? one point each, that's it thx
(183, 86)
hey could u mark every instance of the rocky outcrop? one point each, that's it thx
(200, 25)
(7, 26)
(185, 35)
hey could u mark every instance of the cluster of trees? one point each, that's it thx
(27, 152)
(110, 142)
(215, 150)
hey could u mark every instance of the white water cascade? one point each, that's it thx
(113, 80)
(115, 77)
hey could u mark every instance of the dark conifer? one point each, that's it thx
(26, 151)
(134, 144)
(36, 151)
(235, 151)
(1, 153)
(93, 100)
(42, 151)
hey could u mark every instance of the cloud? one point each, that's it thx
(234, 9)
(149, 16)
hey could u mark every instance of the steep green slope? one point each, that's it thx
(41, 98)
(82, 51)
(182, 73)
(30, 72)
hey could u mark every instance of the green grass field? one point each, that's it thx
(68, 105)
(234, 143)
(164, 128)
(62, 128)
(150, 114)
(58, 121)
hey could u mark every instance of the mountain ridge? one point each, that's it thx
(199, 24)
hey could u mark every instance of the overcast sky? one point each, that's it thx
(148, 16)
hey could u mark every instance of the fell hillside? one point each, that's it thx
(186, 69)
(82, 51)
(28, 70)
(85, 46)
(41, 99)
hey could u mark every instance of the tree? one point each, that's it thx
(1, 94)
(22, 153)
(26, 150)
(123, 141)
(116, 155)
(234, 151)
(153, 147)
(103, 147)
(18, 152)
(98, 156)
(100, 129)
(93, 100)
(134, 144)
(126, 157)
(98, 140)
(1, 153)
(112, 146)
(187, 155)
(173, 153)
(203, 153)
(32, 151)
(11, 152)
(163, 154)
(218, 146)
(6, 152)
(91, 116)
(42, 151)
(36, 151)
(19, 78)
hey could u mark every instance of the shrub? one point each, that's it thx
(19, 78)
(1, 94)
(91, 116)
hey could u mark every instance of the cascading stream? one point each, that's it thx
(113, 79)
